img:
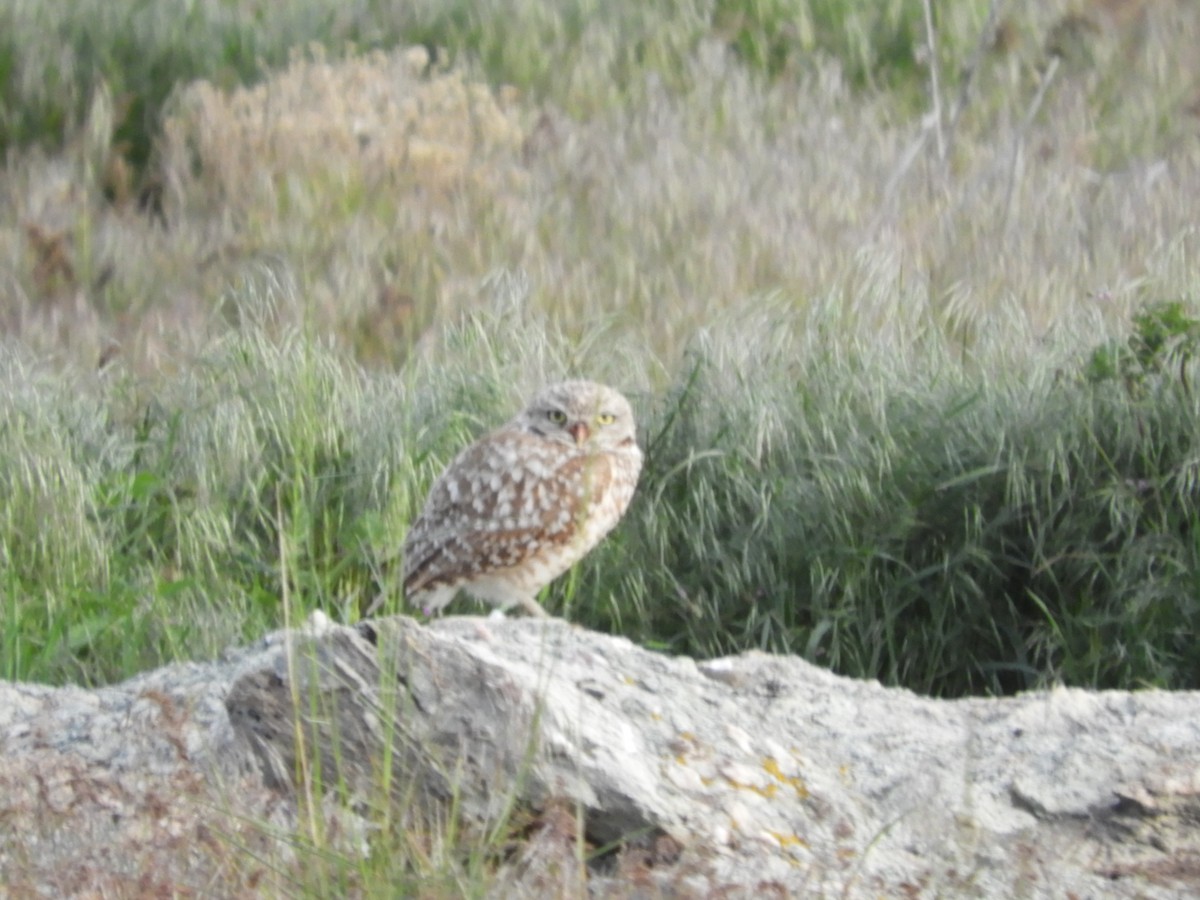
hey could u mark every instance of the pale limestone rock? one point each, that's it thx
(755, 775)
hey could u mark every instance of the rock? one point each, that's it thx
(754, 775)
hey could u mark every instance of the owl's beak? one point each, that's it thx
(579, 431)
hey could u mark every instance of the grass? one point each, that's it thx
(57, 57)
(891, 417)
(909, 324)
(384, 190)
(960, 258)
(956, 535)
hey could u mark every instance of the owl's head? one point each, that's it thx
(581, 413)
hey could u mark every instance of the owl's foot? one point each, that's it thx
(533, 608)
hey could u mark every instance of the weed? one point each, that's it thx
(1164, 335)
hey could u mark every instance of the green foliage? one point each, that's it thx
(54, 57)
(170, 526)
(955, 535)
(1165, 336)
(878, 44)
(900, 520)
(875, 41)
(835, 483)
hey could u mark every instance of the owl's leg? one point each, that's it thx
(531, 606)
(431, 603)
(376, 605)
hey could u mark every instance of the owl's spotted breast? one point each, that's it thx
(496, 513)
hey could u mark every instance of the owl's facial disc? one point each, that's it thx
(581, 413)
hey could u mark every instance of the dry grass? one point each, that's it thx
(381, 194)
(811, 276)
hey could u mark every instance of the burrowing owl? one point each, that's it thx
(524, 503)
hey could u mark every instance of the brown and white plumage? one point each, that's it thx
(524, 503)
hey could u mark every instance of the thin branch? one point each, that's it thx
(986, 37)
(1019, 140)
(933, 120)
(935, 87)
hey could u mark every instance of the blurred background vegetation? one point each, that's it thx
(905, 296)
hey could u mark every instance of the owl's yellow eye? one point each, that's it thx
(557, 416)
(606, 418)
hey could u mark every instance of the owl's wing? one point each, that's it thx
(502, 500)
